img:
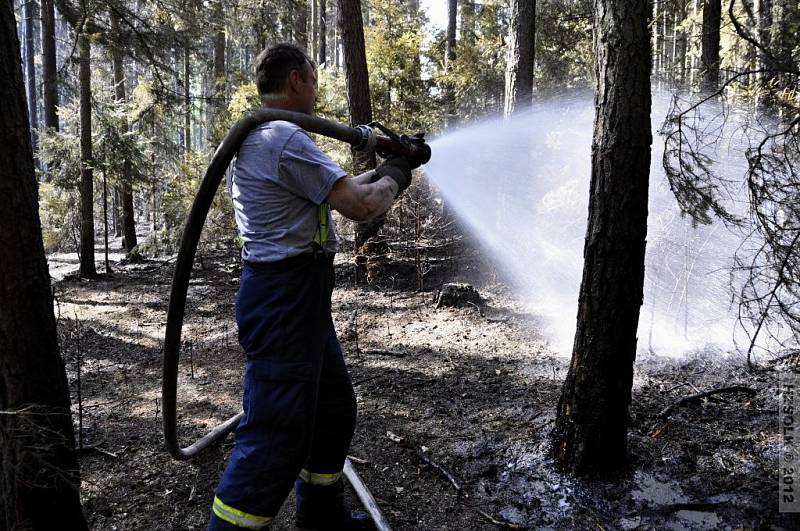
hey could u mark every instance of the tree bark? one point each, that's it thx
(450, 46)
(681, 45)
(218, 96)
(49, 76)
(355, 62)
(39, 476)
(590, 434)
(87, 267)
(29, 15)
(323, 36)
(301, 24)
(187, 100)
(313, 41)
(467, 33)
(712, 16)
(128, 222)
(520, 58)
(764, 23)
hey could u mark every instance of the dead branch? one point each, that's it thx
(358, 460)
(498, 523)
(425, 458)
(380, 352)
(666, 412)
(443, 470)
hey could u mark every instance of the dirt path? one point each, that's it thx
(474, 393)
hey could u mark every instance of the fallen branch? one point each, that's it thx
(378, 352)
(499, 523)
(358, 460)
(367, 379)
(667, 411)
(95, 448)
(443, 470)
(425, 458)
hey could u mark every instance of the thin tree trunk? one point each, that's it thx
(681, 44)
(105, 222)
(656, 41)
(764, 23)
(187, 100)
(450, 45)
(449, 56)
(39, 475)
(590, 434)
(301, 24)
(467, 33)
(520, 57)
(712, 14)
(115, 202)
(355, 61)
(128, 223)
(314, 23)
(49, 79)
(87, 267)
(218, 95)
(29, 15)
(337, 60)
(323, 36)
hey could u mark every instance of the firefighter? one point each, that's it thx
(299, 404)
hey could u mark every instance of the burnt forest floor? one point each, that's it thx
(474, 390)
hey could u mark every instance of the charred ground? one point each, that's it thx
(471, 389)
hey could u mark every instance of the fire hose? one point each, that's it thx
(364, 138)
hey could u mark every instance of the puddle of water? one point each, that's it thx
(654, 492)
(696, 520)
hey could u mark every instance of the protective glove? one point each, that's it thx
(397, 168)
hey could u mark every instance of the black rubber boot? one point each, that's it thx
(322, 508)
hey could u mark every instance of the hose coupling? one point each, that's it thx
(368, 139)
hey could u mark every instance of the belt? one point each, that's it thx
(287, 264)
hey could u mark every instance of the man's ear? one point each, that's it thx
(293, 80)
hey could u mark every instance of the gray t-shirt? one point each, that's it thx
(279, 180)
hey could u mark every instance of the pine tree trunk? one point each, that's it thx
(128, 222)
(313, 41)
(29, 15)
(681, 44)
(218, 96)
(49, 77)
(467, 22)
(39, 476)
(520, 58)
(783, 40)
(87, 267)
(764, 23)
(590, 435)
(301, 24)
(337, 59)
(115, 203)
(355, 62)
(712, 13)
(323, 36)
(187, 100)
(450, 49)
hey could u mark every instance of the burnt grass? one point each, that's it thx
(472, 390)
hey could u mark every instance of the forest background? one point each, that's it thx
(127, 102)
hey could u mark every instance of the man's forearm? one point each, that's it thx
(379, 197)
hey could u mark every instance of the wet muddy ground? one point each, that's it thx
(470, 389)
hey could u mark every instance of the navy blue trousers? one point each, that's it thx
(299, 404)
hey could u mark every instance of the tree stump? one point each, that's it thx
(456, 294)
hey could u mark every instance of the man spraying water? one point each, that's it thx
(299, 404)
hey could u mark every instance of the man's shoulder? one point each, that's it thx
(278, 129)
